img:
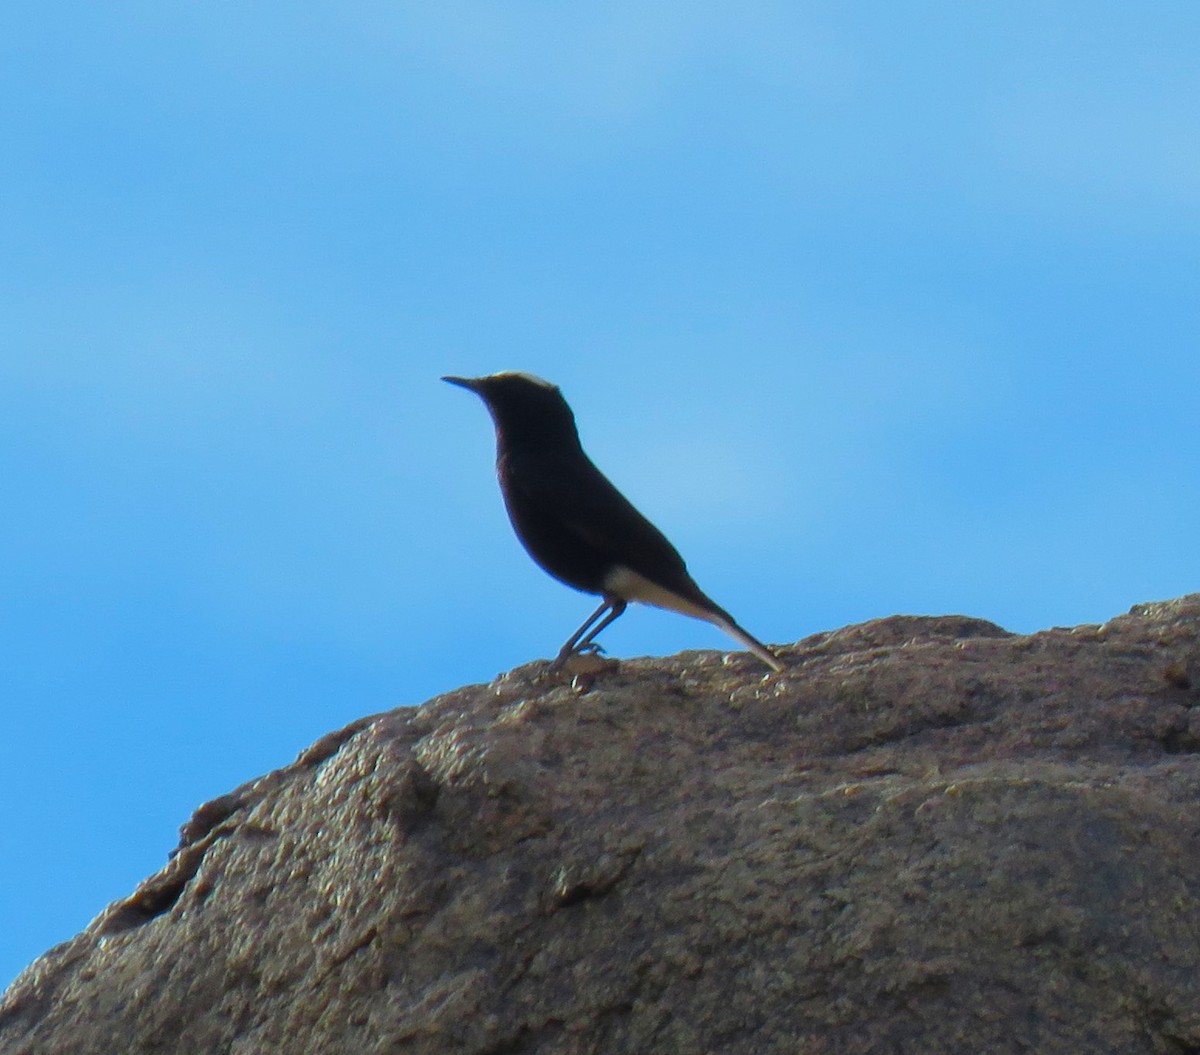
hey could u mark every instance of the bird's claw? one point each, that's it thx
(585, 658)
(592, 648)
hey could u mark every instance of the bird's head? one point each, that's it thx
(524, 407)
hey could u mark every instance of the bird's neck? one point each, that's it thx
(531, 437)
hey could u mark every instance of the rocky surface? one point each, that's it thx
(929, 835)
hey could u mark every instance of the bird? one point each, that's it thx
(575, 524)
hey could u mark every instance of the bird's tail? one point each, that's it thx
(723, 620)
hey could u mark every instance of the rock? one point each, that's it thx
(929, 835)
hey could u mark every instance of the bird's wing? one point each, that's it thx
(582, 502)
(581, 529)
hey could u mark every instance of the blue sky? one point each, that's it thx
(873, 308)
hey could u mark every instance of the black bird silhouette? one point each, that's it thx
(575, 523)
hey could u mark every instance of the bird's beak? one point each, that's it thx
(471, 383)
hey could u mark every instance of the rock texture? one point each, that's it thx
(928, 836)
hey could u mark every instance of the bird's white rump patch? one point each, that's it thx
(629, 585)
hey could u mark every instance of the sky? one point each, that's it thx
(873, 308)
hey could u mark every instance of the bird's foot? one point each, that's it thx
(586, 660)
(593, 648)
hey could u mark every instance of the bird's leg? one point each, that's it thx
(569, 648)
(577, 642)
(616, 607)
